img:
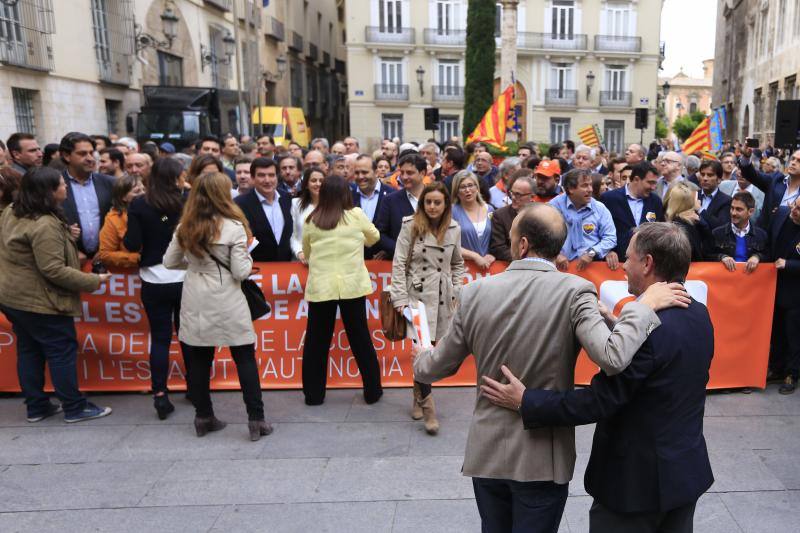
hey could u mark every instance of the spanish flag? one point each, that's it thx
(492, 128)
(699, 140)
(590, 135)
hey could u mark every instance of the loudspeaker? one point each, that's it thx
(787, 123)
(641, 118)
(431, 118)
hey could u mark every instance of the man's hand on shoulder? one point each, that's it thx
(662, 295)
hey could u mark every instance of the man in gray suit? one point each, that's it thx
(534, 319)
(731, 187)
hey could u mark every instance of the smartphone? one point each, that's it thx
(751, 143)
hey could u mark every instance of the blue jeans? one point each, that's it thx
(47, 339)
(519, 506)
(162, 304)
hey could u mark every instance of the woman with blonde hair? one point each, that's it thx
(471, 213)
(428, 268)
(211, 244)
(681, 207)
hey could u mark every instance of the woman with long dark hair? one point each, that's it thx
(151, 222)
(428, 268)
(211, 244)
(203, 164)
(40, 288)
(334, 237)
(302, 206)
(112, 252)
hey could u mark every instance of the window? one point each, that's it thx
(445, 16)
(561, 78)
(100, 23)
(113, 112)
(449, 72)
(771, 105)
(170, 69)
(392, 126)
(23, 109)
(13, 49)
(757, 111)
(448, 127)
(615, 81)
(763, 39)
(779, 36)
(563, 19)
(390, 18)
(498, 19)
(296, 78)
(220, 64)
(559, 130)
(618, 20)
(693, 106)
(796, 29)
(614, 135)
(391, 75)
(789, 87)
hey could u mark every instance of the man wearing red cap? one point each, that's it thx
(548, 174)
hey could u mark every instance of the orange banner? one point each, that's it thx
(113, 336)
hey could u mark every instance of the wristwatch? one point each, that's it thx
(591, 253)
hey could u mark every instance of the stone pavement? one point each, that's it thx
(344, 466)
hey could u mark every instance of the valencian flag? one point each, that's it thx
(700, 139)
(590, 136)
(492, 128)
(715, 131)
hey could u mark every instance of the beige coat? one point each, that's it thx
(534, 319)
(214, 311)
(434, 276)
(39, 267)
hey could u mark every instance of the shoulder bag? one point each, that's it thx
(393, 323)
(256, 301)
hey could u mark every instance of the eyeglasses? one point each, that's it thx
(467, 187)
(514, 195)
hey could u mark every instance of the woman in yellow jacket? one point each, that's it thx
(334, 237)
(112, 252)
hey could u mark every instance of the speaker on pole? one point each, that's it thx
(431, 118)
(641, 118)
(787, 124)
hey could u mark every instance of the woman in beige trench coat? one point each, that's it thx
(214, 311)
(433, 276)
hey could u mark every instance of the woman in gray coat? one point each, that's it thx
(428, 268)
(214, 311)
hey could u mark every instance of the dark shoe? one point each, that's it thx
(775, 377)
(374, 398)
(90, 412)
(314, 401)
(205, 425)
(746, 390)
(788, 385)
(163, 406)
(52, 410)
(258, 429)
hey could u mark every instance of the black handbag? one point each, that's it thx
(256, 301)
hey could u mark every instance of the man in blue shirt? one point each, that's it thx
(590, 229)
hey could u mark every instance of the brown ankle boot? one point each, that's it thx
(416, 408)
(204, 425)
(258, 429)
(429, 415)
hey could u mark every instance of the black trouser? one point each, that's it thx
(199, 379)
(604, 520)
(785, 353)
(519, 506)
(319, 332)
(162, 303)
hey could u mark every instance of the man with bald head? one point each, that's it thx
(634, 154)
(316, 158)
(530, 471)
(671, 173)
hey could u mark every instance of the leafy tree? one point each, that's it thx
(480, 52)
(685, 125)
(661, 128)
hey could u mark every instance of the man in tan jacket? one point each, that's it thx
(534, 319)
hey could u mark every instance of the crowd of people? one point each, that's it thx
(432, 206)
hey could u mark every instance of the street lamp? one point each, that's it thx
(169, 27)
(589, 83)
(280, 63)
(665, 88)
(421, 79)
(209, 56)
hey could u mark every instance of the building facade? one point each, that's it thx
(686, 95)
(81, 64)
(579, 62)
(756, 63)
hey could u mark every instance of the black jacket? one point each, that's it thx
(724, 243)
(787, 291)
(149, 231)
(718, 211)
(269, 248)
(389, 219)
(617, 203)
(648, 453)
(772, 185)
(103, 184)
(384, 191)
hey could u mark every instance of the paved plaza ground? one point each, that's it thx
(344, 466)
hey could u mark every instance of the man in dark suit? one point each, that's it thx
(88, 192)
(268, 212)
(368, 194)
(715, 205)
(649, 463)
(785, 240)
(740, 241)
(632, 205)
(401, 203)
(502, 219)
(779, 189)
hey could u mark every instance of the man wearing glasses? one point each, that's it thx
(522, 187)
(671, 173)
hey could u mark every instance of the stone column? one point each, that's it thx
(508, 42)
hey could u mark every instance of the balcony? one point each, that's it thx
(313, 52)
(25, 35)
(398, 93)
(275, 29)
(447, 93)
(561, 97)
(619, 44)
(224, 5)
(385, 35)
(296, 43)
(441, 37)
(615, 99)
(551, 41)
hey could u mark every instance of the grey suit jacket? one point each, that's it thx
(728, 186)
(534, 319)
(661, 187)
